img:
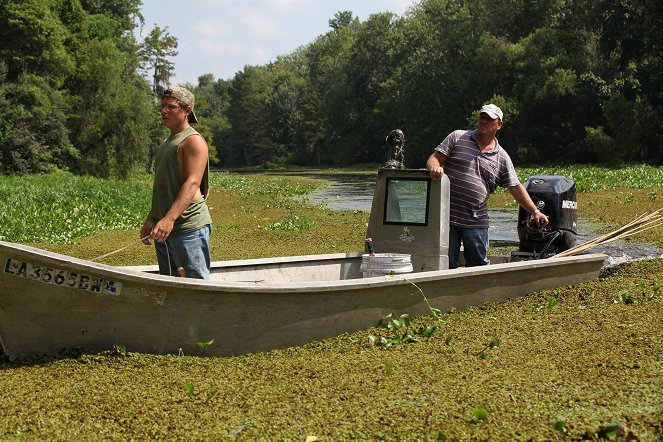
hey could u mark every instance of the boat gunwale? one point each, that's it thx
(134, 275)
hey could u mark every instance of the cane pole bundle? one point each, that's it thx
(638, 225)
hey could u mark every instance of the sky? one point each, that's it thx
(222, 36)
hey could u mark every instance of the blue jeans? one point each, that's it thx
(189, 250)
(475, 246)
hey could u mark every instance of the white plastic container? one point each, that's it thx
(382, 264)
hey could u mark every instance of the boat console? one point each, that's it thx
(410, 215)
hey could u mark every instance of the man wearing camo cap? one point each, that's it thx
(476, 164)
(179, 221)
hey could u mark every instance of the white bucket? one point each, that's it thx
(382, 264)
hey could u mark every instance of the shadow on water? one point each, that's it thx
(355, 192)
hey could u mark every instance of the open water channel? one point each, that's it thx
(355, 192)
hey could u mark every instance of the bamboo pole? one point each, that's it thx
(638, 225)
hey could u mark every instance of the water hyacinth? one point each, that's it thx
(593, 178)
(60, 207)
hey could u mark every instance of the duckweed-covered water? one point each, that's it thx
(569, 364)
(581, 363)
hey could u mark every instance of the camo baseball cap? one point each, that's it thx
(183, 95)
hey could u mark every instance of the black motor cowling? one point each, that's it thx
(555, 196)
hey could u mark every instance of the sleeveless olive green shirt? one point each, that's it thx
(167, 184)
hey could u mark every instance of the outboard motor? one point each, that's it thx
(555, 196)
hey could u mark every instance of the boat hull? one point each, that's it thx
(50, 302)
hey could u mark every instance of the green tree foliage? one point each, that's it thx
(34, 63)
(124, 13)
(372, 60)
(32, 41)
(295, 112)
(249, 143)
(579, 81)
(115, 113)
(629, 62)
(69, 89)
(33, 137)
(211, 110)
(283, 106)
(154, 55)
(341, 19)
(328, 58)
(436, 83)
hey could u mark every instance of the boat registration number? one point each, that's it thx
(62, 278)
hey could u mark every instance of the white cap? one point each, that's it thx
(492, 111)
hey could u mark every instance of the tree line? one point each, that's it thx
(71, 91)
(579, 82)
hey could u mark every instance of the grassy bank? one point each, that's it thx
(566, 364)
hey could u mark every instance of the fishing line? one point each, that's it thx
(165, 243)
(120, 250)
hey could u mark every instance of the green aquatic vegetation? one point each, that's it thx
(484, 352)
(342, 388)
(611, 431)
(626, 298)
(592, 178)
(560, 426)
(481, 414)
(257, 185)
(230, 226)
(279, 191)
(190, 389)
(231, 182)
(293, 224)
(213, 391)
(548, 306)
(402, 331)
(399, 327)
(60, 208)
(588, 300)
(644, 294)
(120, 349)
(205, 344)
(193, 394)
(19, 430)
